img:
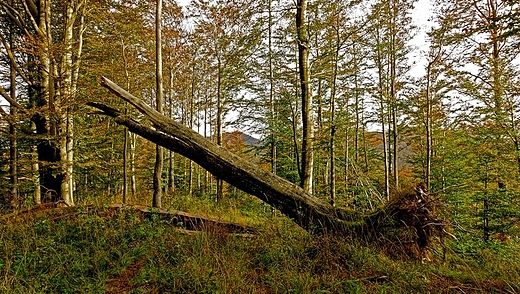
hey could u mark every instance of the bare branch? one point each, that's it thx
(14, 16)
(6, 96)
(12, 60)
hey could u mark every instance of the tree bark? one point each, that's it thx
(13, 151)
(307, 120)
(272, 112)
(381, 96)
(159, 158)
(220, 184)
(126, 132)
(171, 158)
(64, 105)
(393, 95)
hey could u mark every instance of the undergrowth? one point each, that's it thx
(96, 251)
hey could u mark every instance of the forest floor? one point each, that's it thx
(99, 249)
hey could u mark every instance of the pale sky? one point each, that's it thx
(183, 2)
(420, 15)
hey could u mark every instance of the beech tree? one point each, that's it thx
(485, 67)
(54, 37)
(306, 173)
(159, 155)
(127, 58)
(390, 29)
(229, 35)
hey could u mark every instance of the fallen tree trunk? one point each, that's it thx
(309, 212)
(306, 210)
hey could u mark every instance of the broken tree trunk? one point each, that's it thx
(309, 212)
(306, 210)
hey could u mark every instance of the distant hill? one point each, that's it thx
(247, 139)
(404, 153)
(250, 140)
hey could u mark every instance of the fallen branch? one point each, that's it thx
(186, 220)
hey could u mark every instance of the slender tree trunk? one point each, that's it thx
(206, 174)
(393, 94)
(347, 159)
(428, 127)
(191, 121)
(197, 167)
(325, 169)
(219, 125)
(395, 148)
(126, 133)
(395, 135)
(272, 101)
(306, 175)
(157, 177)
(333, 125)
(356, 106)
(517, 149)
(294, 124)
(13, 152)
(75, 66)
(385, 152)
(365, 145)
(332, 170)
(125, 166)
(171, 158)
(381, 85)
(133, 180)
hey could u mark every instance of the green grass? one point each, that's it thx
(92, 251)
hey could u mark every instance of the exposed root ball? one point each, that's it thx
(407, 225)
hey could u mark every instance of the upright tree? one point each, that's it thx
(53, 31)
(307, 158)
(228, 33)
(390, 29)
(13, 150)
(157, 173)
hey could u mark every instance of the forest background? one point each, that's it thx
(373, 125)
